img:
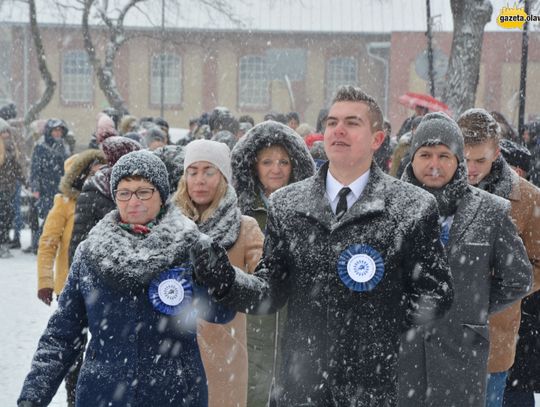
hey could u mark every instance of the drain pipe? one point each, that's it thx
(372, 46)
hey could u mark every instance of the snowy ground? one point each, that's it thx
(22, 320)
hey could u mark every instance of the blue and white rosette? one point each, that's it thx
(171, 291)
(360, 267)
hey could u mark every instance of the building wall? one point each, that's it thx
(498, 85)
(209, 73)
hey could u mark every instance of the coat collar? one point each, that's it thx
(319, 209)
(465, 214)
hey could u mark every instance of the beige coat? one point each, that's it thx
(223, 347)
(504, 326)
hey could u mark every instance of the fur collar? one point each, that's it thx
(79, 166)
(224, 224)
(499, 181)
(129, 262)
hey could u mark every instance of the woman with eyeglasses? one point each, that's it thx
(206, 196)
(270, 156)
(131, 287)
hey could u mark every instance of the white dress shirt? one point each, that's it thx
(333, 186)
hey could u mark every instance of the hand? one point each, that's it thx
(45, 295)
(35, 194)
(211, 266)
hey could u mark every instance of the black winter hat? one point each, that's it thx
(438, 128)
(516, 155)
(143, 164)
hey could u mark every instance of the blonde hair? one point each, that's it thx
(182, 200)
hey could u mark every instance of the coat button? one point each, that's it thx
(131, 338)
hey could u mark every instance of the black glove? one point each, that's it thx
(211, 267)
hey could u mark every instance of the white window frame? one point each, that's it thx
(253, 84)
(172, 78)
(77, 77)
(340, 71)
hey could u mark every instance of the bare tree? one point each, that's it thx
(470, 18)
(116, 37)
(50, 85)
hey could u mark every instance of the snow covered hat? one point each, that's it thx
(143, 164)
(216, 153)
(438, 128)
(117, 146)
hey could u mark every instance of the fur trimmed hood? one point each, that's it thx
(78, 167)
(129, 262)
(244, 155)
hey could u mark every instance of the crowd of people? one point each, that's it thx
(279, 264)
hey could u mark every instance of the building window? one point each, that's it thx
(340, 71)
(77, 78)
(170, 66)
(253, 89)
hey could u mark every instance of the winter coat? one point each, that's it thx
(223, 347)
(525, 212)
(94, 202)
(525, 373)
(340, 346)
(10, 162)
(58, 227)
(47, 167)
(137, 355)
(261, 330)
(491, 270)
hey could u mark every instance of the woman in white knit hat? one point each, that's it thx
(206, 196)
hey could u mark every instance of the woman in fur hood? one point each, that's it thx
(270, 156)
(206, 196)
(131, 287)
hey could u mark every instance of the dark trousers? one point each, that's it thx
(514, 398)
(6, 215)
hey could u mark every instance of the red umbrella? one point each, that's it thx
(411, 99)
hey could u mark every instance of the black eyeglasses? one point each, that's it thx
(143, 194)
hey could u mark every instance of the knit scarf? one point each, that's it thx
(499, 180)
(224, 224)
(449, 196)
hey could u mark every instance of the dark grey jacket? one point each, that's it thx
(340, 346)
(490, 267)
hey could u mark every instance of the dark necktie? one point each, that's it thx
(342, 203)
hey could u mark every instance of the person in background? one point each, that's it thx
(419, 112)
(488, 171)
(131, 287)
(173, 158)
(353, 266)
(293, 120)
(270, 156)
(445, 362)
(47, 167)
(383, 156)
(10, 174)
(401, 156)
(52, 256)
(518, 157)
(164, 126)
(206, 196)
(154, 138)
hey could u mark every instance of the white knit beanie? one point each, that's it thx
(217, 154)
